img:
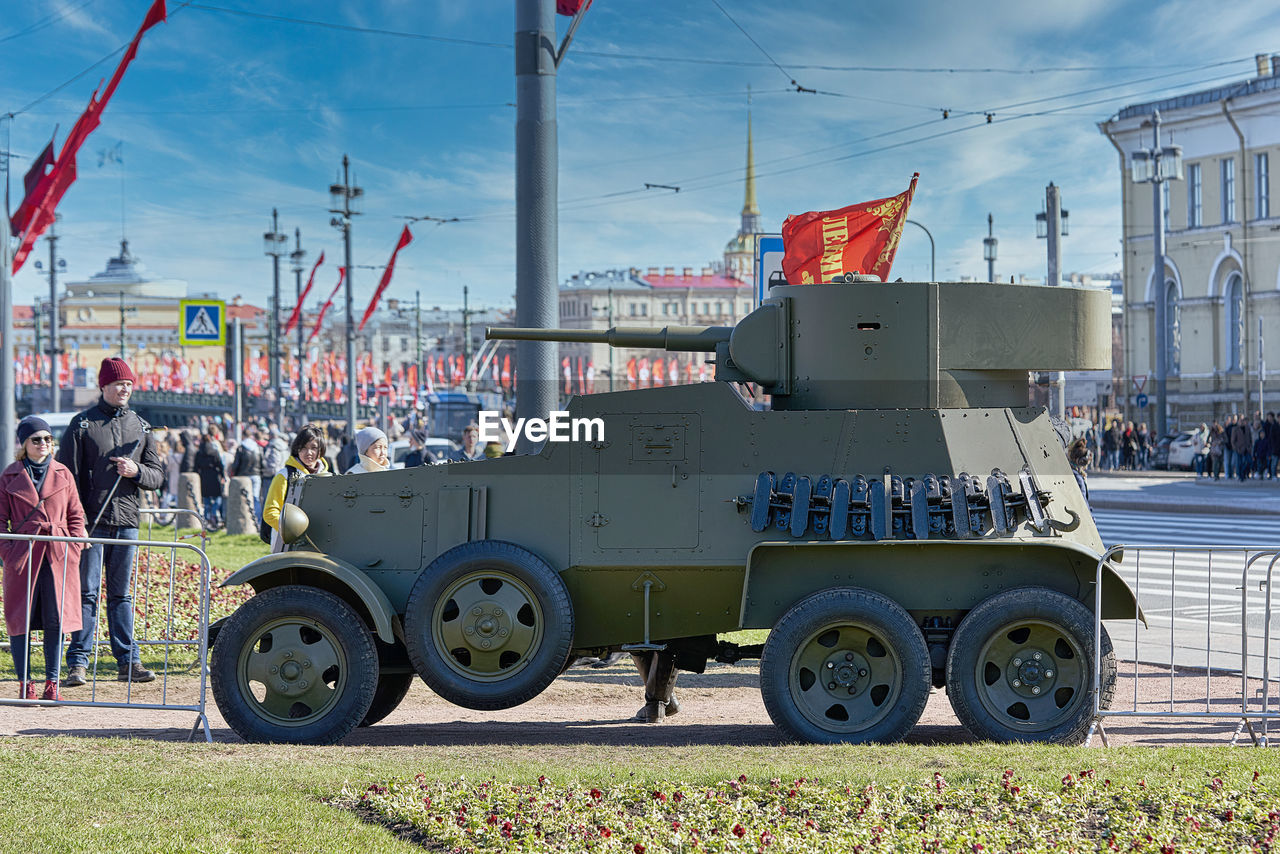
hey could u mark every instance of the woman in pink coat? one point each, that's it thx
(41, 580)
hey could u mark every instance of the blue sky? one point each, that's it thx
(224, 116)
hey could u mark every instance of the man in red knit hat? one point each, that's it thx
(112, 457)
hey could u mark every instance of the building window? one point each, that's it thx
(1164, 202)
(1173, 341)
(633, 309)
(666, 308)
(1228, 189)
(644, 310)
(706, 308)
(1234, 295)
(1263, 194)
(1194, 211)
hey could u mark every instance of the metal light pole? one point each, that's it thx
(933, 268)
(124, 312)
(344, 199)
(417, 340)
(273, 243)
(1051, 224)
(537, 180)
(296, 257)
(1262, 367)
(989, 250)
(1154, 166)
(53, 349)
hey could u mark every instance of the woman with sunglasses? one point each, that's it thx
(41, 580)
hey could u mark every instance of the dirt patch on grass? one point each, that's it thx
(591, 707)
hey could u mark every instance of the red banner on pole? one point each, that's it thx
(342, 272)
(296, 317)
(37, 209)
(406, 237)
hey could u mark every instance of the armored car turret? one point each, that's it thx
(898, 518)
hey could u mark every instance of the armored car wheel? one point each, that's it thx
(294, 664)
(1020, 668)
(391, 691)
(489, 625)
(845, 665)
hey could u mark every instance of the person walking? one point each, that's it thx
(41, 580)
(1217, 449)
(247, 462)
(112, 456)
(1241, 447)
(213, 477)
(1111, 446)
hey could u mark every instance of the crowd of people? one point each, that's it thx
(1239, 447)
(91, 482)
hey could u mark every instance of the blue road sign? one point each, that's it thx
(202, 322)
(1142, 401)
(769, 252)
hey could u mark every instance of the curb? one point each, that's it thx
(1156, 506)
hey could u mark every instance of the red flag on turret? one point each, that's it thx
(861, 238)
(406, 237)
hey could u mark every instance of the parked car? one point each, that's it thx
(1176, 451)
(438, 445)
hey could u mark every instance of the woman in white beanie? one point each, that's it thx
(371, 443)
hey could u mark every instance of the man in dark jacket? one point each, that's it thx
(112, 456)
(213, 476)
(247, 462)
(418, 454)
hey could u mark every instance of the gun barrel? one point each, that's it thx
(697, 339)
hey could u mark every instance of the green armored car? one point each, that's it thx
(899, 519)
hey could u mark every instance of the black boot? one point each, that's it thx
(659, 672)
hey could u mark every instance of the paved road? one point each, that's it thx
(1193, 599)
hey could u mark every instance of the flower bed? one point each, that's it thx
(1084, 813)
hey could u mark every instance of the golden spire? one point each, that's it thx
(749, 203)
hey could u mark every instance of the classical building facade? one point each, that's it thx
(1221, 277)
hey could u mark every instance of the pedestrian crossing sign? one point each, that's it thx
(202, 322)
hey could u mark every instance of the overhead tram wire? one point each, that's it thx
(888, 69)
(641, 194)
(45, 22)
(55, 90)
(686, 188)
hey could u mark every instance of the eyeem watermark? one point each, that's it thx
(558, 428)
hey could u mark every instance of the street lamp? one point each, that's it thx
(1154, 166)
(273, 244)
(296, 257)
(933, 275)
(1051, 225)
(989, 250)
(345, 199)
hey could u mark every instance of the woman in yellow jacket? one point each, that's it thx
(306, 458)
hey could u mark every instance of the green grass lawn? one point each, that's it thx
(65, 794)
(88, 795)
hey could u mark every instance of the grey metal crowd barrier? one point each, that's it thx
(143, 637)
(1203, 642)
